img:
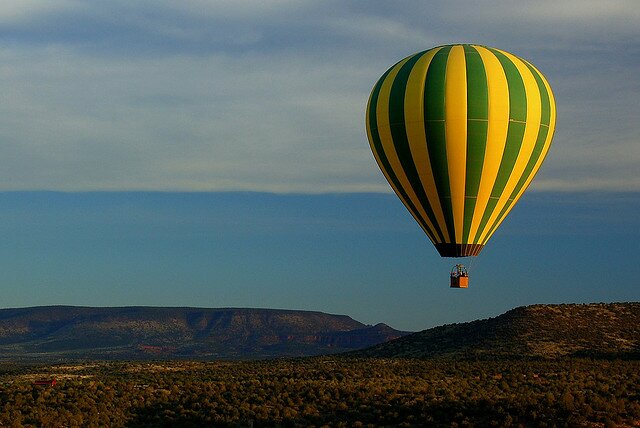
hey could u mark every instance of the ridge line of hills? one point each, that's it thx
(599, 330)
(141, 332)
(596, 330)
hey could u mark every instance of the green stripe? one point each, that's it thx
(477, 123)
(515, 132)
(477, 89)
(401, 141)
(434, 97)
(375, 136)
(543, 130)
(542, 136)
(545, 99)
(517, 93)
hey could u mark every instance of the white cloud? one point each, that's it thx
(623, 12)
(12, 12)
(240, 95)
(211, 123)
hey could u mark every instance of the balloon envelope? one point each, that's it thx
(459, 131)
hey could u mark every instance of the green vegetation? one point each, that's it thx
(610, 330)
(324, 391)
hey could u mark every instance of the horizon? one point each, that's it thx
(313, 311)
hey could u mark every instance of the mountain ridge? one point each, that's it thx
(534, 331)
(179, 332)
(148, 332)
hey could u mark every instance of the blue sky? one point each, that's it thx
(259, 108)
(349, 253)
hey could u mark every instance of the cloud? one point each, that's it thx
(270, 96)
(16, 13)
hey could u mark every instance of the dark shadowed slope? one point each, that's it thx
(150, 332)
(538, 331)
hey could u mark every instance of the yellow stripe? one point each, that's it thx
(552, 120)
(498, 123)
(545, 149)
(389, 149)
(552, 100)
(416, 134)
(534, 171)
(532, 125)
(455, 122)
(395, 189)
(547, 144)
(387, 176)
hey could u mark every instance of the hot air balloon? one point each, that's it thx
(459, 132)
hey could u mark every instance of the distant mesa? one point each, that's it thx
(70, 332)
(597, 330)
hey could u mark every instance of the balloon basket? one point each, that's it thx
(460, 282)
(459, 277)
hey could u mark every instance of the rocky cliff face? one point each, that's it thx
(141, 332)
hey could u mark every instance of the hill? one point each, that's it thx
(152, 332)
(538, 331)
